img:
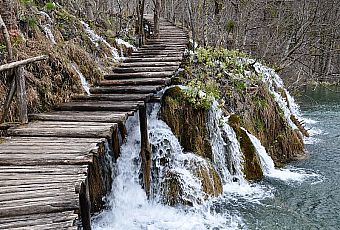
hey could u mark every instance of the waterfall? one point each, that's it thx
(129, 207)
(83, 81)
(268, 167)
(48, 27)
(227, 157)
(97, 39)
(121, 42)
(274, 82)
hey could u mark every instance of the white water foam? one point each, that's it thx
(268, 167)
(227, 157)
(120, 42)
(83, 81)
(97, 39)
(48, 27)
(129, 206)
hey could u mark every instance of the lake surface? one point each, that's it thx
(314, 201)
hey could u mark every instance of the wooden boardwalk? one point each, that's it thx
(54, 170)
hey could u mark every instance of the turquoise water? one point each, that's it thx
(313, 203)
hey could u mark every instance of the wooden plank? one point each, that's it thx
(52, 140)
(136, 81)
(49, 192)
(146, 69)
(61, 132)
(100, 106)
(126, 89)
(39, 205)
(47, 169)
(40, 159)
(151, 54)
(125, 76)
(161, 59)
(148, 64)
(113, 97)
(77, 180)
(61, 220)
(68, 124)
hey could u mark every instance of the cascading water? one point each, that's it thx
(268, 166)
(96, 39)
(227, 157)
(83, 81)
(129, 206)
(48, 27)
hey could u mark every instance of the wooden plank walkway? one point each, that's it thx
(54, 167)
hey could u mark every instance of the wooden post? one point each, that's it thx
(21, 95)
(145, 153)
(8, 101)
(85, 206)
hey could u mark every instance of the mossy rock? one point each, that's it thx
(252, 167)
(173, 186)
(186, 122)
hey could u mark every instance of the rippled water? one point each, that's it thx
(315, 202)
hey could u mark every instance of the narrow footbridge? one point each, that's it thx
(54, 170)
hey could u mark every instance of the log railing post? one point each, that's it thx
(21, 95)
(145, 150)
(18, 84)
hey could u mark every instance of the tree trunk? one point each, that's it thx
(139, 27)
(156, 17)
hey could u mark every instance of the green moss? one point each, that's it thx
(186, 121)
(252, 167)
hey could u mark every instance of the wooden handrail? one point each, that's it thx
(18, 84)
(22, 62)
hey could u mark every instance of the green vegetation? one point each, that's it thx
(49, 6)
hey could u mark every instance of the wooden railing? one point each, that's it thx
(18, 85)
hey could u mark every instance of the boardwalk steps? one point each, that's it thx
(55, 170)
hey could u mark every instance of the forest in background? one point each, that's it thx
(299, 38)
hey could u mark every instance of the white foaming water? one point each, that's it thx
(83, 81)
(227, 157)
(97, 39)
(120, 42)
(274, 82)
(268, 166)
(129, 206)
(48, 27)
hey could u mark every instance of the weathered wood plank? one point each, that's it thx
(136, 81)
(83, 116)
(50, 192)
(61, 132)
(163, 59)
(125, 76)
(148, 64)
(61, 220)
(101, 106)
(145, 69)
(114, 97)
(39, 205)
(126, 89)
